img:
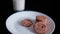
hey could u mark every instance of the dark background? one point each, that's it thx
(44, 6)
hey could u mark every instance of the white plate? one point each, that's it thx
(13, 22)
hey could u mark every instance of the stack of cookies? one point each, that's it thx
(40, 26)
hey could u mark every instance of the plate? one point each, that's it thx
(14, 26)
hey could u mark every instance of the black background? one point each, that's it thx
(44, 6)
